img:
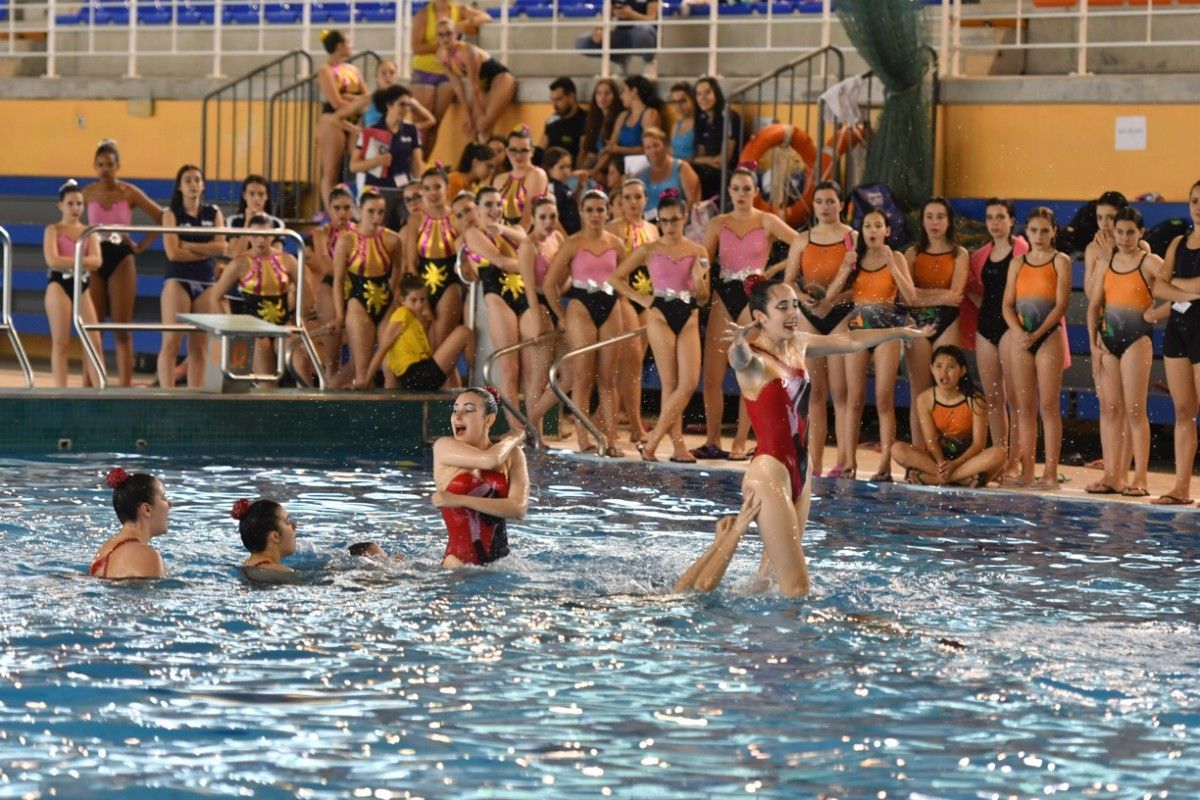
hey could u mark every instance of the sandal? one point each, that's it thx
(1102, 488)
(641, 448)
(710, 452)
(1135, 491)
(740, 457)
(1171, 500)
(615, 452)
(881, 477)
(590, 450)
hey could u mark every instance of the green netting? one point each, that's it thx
(891, 38)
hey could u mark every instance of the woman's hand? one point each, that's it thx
(735, 333)
(442, 499)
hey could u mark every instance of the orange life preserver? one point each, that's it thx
(773, 136)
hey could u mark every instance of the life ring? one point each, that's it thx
(773, 136)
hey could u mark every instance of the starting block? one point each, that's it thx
(229, 367)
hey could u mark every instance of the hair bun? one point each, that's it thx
(752, 282)
(494, 392)
(240, 509)
(69, 183)
(750, 165)
(116, 478)
(668, 194)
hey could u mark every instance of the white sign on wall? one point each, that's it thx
(1131, 133)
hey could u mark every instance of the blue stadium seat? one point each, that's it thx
(778, 7)
(375, 12)
(283, 13)
(110, 13)
(240, 14)
(538, 12)
(495, 13)
(735, 10)
(808, 7)
(81, 17)
(154, 13)
(3, 10)
(191, 13)
(331, 12)
(579, 10)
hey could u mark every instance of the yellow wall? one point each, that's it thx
(1030, 151)
(1065, 152)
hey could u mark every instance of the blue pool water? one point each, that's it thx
(955, 646)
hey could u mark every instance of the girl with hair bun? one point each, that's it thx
(58, 248)
(343, 92)
(678, 270)
(480, 484)
(771, 373)
(143, 510)
(113, 287)
(267, 532)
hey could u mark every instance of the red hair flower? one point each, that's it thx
(494, 392)
(750, 283)
(240, 509)
(750, 165)
(117, 477)
(668, 194)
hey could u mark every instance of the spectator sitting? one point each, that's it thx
(475, 170)
(565, 127)
(683, 134)
(643, 109)
(666, 172)
(628, 39)
(602, 115)
(709, 129)
(390, 170)
(557, 163)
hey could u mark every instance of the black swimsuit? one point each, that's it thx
(1182, 337)
(991, 309)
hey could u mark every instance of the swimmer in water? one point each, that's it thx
(480, 484)
(771, 374)
(267, 532)
(143, 509)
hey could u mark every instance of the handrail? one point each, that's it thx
(512, 408)
(581, 417)
(82, 327)
(6, 311)
(469, 286)
(741, 95)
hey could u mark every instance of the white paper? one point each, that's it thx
(1131, 133)
(1182, 306)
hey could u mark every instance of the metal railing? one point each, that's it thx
(82, 328)
(221, 30)
(6, 321)
(291, 168)
(235, 131)
(580, 416)
(513, 408)
(778, 90)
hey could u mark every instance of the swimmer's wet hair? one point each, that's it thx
(760, 294)
(489, 395)
(360, 548)
(256, 523)
(129, 492)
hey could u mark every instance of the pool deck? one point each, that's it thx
(868, 458)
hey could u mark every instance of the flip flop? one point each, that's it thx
(881, 477)
(590, 450)
(682, 460)
(1101, 488)
(1135, 491)
(836, 472)
(710, 452)
(641, 448)
(615, 452)
(742, 457)
(1172, 500)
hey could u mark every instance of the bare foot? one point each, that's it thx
(1016, 482)
(1048, 483)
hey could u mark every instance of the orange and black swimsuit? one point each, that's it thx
(1126, 299)
(1035, 295)
(819, 265)
(367, 274)
(874, 292)
(955, 427)
(99, 567)
(934, 271)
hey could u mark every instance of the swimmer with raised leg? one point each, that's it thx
(268, 532)
(770, 371)
(143, 508)
(480, 484)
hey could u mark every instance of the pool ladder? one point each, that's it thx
(580, 416)
(6, 314)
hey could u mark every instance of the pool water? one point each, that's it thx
(955, 645)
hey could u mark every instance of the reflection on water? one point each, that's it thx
(955, 646)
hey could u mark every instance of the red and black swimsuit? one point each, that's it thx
(99, 567)
(780, 418)
(476, 538)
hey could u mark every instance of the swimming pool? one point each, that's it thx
(956, 645)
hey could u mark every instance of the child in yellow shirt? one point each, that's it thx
(411, 364)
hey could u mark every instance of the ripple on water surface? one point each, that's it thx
(953, 646)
